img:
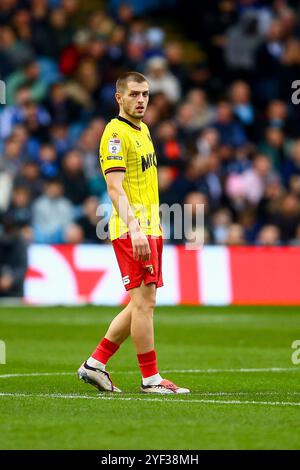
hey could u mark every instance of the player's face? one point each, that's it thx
(134, 100)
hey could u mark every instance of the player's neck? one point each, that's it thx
(135, 122)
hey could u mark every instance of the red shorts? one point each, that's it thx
(134, 271)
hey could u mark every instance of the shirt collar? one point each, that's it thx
(137, 128)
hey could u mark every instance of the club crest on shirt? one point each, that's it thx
(114, 146)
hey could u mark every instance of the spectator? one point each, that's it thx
(273, 146)
(12, 113)
(60, 138)
(291, 167)
(247, 219)
(89, 220)
(75, 183)
(204, 113)
(19, 210)
(287, 217)
(62, 109)
(269, 56)
(30, 178)
(161, 80)
(36, 119)
(163, 105)
(269, 236)
(169, 148)
(13, 53)
(59, 32)
(276, 115)
(13, 261)
(235, 235)
(155, 40)
(48, 161)
(195, 208)
(270, 202)
(251, 184)
(30, 76)
(187, 122)
(243, 110)
(290, 64)
(241, 43)
(135, 57)
(231, 132)
(296, 241)
(294, 186)
(100, 23)
(11, 157)
(115, 46)
(208, 141)
(221, 221)
(74, 234)
(52, 214)
(71, 55)
(174, 54)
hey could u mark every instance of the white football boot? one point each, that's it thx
(165, 387)
(96, 377)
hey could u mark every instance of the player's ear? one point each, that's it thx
(118, 97)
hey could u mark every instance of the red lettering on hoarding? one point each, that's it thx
(265, 275)
(86, 279)
(33, 274)
(188, 275)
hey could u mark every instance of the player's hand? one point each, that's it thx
(140, 244)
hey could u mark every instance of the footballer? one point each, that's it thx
(128, 162)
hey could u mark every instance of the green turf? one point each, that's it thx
(60, 412)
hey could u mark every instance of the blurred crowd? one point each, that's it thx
(225, 129)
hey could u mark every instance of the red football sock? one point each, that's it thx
(147, 363)
(105, 350)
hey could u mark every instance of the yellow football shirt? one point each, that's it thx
(129, 148)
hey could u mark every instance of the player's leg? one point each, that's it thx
(93, 370)
(142, 332)
(119, 329)
(143, 302)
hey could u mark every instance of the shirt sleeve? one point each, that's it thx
(113, 152)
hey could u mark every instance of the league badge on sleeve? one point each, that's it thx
(114, 146)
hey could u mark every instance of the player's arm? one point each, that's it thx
(140, 245)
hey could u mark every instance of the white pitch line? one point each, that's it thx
(270, 393)
(34, 374)
(243, 370)
(164, 400)
(165, 371)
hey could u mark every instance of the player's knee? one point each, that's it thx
(145, 304)
(148, 308)
(149, 301)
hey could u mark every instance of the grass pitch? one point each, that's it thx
(236, 360)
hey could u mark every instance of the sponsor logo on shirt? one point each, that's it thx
(148, 161)
(114, 146)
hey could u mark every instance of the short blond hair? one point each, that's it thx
(126, 77)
